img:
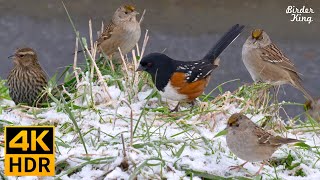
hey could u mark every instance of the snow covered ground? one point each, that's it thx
(164, 145)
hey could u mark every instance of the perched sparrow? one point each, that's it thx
(185, 80)
(313, 109)
(266, 63)
(27, 79)
(250, 142)
(123, 31)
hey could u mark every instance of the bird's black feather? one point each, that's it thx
(223, 43)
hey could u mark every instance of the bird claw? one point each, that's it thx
(260, 169)
(231, 168)
(176, 109)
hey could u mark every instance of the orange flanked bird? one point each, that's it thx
(184, 81)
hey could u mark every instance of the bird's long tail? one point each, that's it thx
(299, 86)
(224, 42)
(280, 140)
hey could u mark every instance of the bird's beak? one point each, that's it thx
(10, 57)
(140, 68)
(254, 41)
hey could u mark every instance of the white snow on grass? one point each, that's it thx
(165, 145)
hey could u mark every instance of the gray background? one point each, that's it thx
(185, 28)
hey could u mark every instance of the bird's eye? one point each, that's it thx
(149, 64)
(20, 55)
(126, 12)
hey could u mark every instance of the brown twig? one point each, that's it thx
(142, 16)
(90, 34)
(100, 77)
(124, 62)
(123, 146)
(145, 41)
(75, 70)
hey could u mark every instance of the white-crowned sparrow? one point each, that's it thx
(27, 79)
(123, 31)
(266, 63)
(250, 142)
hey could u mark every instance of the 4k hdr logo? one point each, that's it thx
(29, 151)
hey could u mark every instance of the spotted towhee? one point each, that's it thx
(181, 80)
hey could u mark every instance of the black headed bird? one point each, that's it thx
(184, 81)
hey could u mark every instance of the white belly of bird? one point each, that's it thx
(171, 93)
(131, 38)
(249, 63)
(246, 147)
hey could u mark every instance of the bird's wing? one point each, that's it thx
(266, 138)
(273, 54)
(196, 70)
(107, 33)
(111, 38)
(263, 136)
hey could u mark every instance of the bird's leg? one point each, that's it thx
(237, 167)
(111, 63)
(276, 90)
(261, 167)
(104, 62)
(176, 108)
(192, 105)
(274, 94)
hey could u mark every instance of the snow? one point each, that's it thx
(156, 141)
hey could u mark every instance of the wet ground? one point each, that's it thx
(185, 28)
